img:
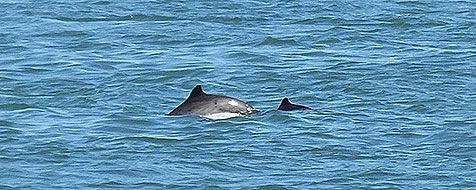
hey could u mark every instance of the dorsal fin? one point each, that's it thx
(285, 102)
(197, 91)
(286, 105)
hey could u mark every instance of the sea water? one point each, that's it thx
(85, 87)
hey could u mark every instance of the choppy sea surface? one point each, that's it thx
(85, 87)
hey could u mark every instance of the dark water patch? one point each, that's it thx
(181, 185)
(317, 53)
(33, 70)
(222, 20)
(319, 135)
(326, 21)
(13, 49)
(150, 184)
(463, 122)
(52, 151)
(9, 133)
(395, 22)
(107, 184)
(153, 39)
(89, 45)
(410, 3)
(273, 41)
(250, 57)
(406, 132)
(461, 151)
(103, 65)
(102, 3)
(65, 34)
(117, 18)
(273, 187)
(10, 137)
(16, 106)
(420, 108)
(376, 174)
(9, 187)
(6, 123)
(6, 79)
(154, 140)
(308, 21)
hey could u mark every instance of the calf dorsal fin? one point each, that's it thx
(286, 105)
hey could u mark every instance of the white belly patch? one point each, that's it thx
(224, 115)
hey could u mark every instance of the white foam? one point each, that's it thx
(223, 115)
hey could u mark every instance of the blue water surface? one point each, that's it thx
(85, 87)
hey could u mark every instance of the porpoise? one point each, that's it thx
(212, 106)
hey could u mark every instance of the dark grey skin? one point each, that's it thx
(286, 105)
(199, 103)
